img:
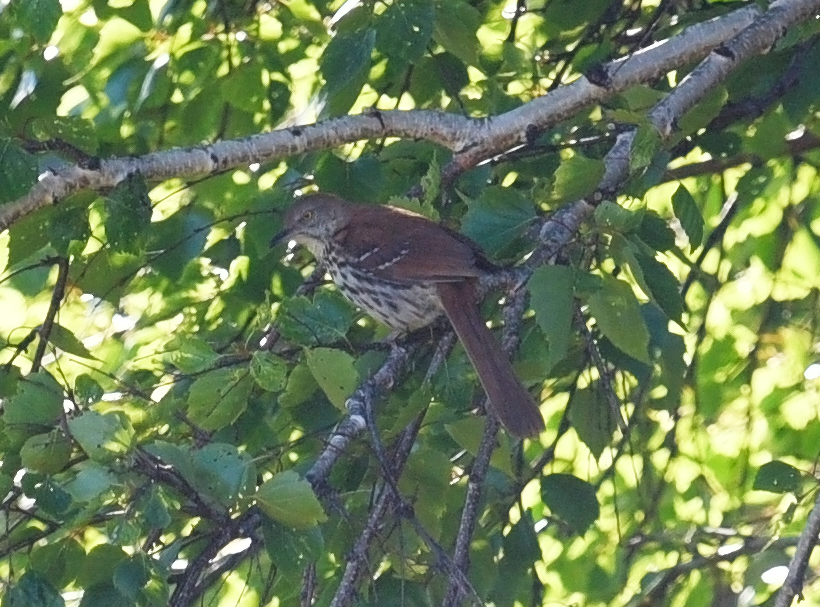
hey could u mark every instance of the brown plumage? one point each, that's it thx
(405, 270)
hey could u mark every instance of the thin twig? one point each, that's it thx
(48, 323)
(469, 515)
(308, 594)
(384, 501)
(190, 587)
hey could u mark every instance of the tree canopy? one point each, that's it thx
(190, 416)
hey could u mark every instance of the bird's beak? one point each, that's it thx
(281, 236)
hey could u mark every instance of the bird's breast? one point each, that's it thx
(402, 306)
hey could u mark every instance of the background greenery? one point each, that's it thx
(140, 414)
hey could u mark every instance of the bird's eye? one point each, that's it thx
(307, 216)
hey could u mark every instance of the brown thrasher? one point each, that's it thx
(405, 270)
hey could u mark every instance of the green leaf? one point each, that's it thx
(289, 549)
(335, 372)
(77, 131)
(289, 499)
(87, 390)
(68, 229)
(592, 418)
(269, 371)
(18, 170)
(32, 590)
(324, 320)
(46, 453)
(431, 183)
(52, 499)
(105, 595)
(640, 98)
(301, 385)
(6, 483)
(131, 575)
(576, 177)
(689, 215)
(646, 145)
(570, 499)
(306, 14)
(613, 217)
(128, 214)
(191, 354)
(455, 29)
(37, 17)
(105, 273)
(155, 511)
(103, 436)
(218, 470)
(778, 477)
(344, 66)
(66, 341)
(99, 565)
(247, 78)
(520, 553)
(223, 471)
(497, 218)
(92, 480)
(404, 29)
(707, 108)
(38, 401)
(655, 232)
(218, 398)
(551, 297)
(663, 286)
(57, 562)
(618, 315)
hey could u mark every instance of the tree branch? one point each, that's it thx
(753, 40)
(472, 140)
(48, 323)
(793, 586)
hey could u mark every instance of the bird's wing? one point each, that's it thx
(405, 247)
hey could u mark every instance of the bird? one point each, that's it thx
(406, 270)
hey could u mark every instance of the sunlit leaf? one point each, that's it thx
(324, 320)
(218, 397)
(66, 340)
(335, 373)
(551, 297)
(103, 436)
(46, 453)
(39, 400)
(403, 31)
(467, 432)
(75, 130)
(576, 177)
(593, 418)
(618, 316)
(455, 29)
(495, 219)
(269, 371)
(289, 499)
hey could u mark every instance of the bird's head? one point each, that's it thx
(312, 221)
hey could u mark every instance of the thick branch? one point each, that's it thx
(756, 39)
(473, 140)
